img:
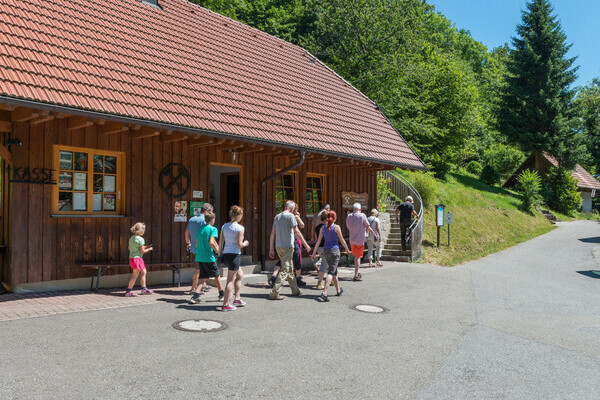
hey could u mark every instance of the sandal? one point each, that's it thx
(357, 278)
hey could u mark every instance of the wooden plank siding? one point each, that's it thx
(46, 247)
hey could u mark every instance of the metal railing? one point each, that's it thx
(400, 188)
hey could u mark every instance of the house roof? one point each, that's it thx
(188, 67)
(585, 180)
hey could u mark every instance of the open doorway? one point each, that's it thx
(225, 190)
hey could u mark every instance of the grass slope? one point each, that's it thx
(487, 219)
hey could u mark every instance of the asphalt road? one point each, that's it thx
(520, 324)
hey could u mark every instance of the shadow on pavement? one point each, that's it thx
(595, 239)
(590, 274)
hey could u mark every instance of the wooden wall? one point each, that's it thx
(46, 247)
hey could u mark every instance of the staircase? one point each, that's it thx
(549, 216)
(392, 248)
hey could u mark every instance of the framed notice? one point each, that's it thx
(80, 181)
(65, 180)
(109, 202)
(97, 202)
(110, 183)
(79, 201)
(196, 207)
(65, 160)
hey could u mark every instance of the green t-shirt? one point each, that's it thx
(204, 253)
(135, 246)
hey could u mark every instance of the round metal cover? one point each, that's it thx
(200, 325)
(369, 308)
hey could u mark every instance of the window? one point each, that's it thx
(314, 193)
(89, 181)
(285, 189)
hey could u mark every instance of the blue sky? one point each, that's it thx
(493, 23)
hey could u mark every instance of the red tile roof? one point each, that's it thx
(187, 66)
(585, 180)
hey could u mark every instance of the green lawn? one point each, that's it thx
(487, 219)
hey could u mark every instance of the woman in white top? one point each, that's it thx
(372, 241)
(231, 243)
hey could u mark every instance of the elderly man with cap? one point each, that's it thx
(405, 211)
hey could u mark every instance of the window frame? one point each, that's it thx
(323, 189)
(120, 193)
(295, 188)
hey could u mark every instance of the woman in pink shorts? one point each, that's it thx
(137, 248)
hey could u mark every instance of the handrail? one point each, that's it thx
(401, 187)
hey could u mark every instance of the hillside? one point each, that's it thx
(486, 220)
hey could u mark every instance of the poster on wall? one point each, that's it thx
(79, 201)
(97, 202)
(180, 209)
(65, 160)
(196, 207)
(109, 183)
(109, 202)
(65, 180)
(80, 181)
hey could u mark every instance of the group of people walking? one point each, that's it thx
(285, 242)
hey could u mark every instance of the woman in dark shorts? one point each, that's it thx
(231, 243)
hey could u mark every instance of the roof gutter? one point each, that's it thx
(264, 205)
(186, 129)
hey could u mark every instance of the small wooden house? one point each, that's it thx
(119, 111)
(589, 186)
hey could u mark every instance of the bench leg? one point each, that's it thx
(176, 269)
(98, 275)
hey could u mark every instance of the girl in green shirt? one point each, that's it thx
(137, 248)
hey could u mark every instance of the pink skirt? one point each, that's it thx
(137, 263)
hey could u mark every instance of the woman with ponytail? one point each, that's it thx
(332, 234)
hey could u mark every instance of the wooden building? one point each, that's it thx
(122, 111)
(588, 186)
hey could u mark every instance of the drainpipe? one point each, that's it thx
(263, 256)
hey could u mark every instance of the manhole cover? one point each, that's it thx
(369, 308)
(200, 325)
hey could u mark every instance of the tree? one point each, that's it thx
(536, 103)
(587, 106)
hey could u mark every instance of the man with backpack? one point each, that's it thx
(405, 211)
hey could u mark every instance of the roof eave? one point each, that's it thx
(187, 129)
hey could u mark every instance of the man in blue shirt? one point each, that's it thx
(195, 224)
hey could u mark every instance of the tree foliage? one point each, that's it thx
(560, 191)
(536, 110)
(529, 184)
(587, 107)
(451, 98)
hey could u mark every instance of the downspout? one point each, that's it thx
(264, 205)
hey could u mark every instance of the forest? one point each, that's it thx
(455, 101)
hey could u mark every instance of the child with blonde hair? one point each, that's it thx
(137, 248)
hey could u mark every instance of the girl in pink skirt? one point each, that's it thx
(137, 248)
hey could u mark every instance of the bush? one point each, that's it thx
(383, 193)
(440, 165)
(529, 184)
(505, 159)
(595, 214)
(425, 184)
(489, 175)
(560, 191)
(474, 168)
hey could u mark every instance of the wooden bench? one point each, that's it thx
(101, 267)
